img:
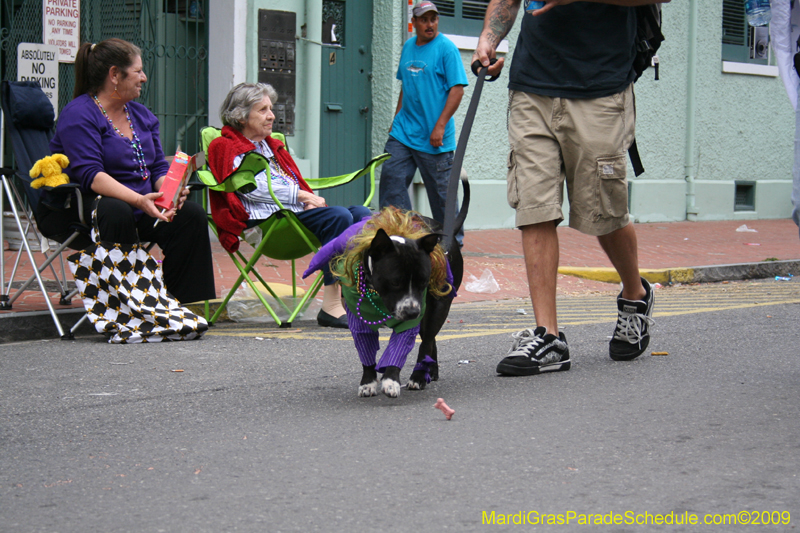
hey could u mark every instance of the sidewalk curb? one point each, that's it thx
(38, 325)
(701, 274)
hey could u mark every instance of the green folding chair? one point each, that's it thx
(284, 237)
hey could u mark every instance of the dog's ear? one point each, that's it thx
(381, 245)
(429, 242)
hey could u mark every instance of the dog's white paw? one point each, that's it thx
(413, 385)
(390, 388)
(370, 389)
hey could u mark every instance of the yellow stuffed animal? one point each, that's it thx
(50, 168)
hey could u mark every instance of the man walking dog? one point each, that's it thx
(422, 135)
(570, 117)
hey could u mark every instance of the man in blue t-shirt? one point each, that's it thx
(570, 118)
(423, 135)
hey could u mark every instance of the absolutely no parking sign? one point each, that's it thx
(39, 62)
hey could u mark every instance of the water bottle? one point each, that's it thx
(758, 12)
(532, 5)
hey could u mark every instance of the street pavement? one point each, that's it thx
(253, 428)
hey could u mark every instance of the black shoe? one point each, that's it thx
(327, 321)
(535, 351)
(632, 333)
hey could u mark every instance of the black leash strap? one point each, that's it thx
(461, 148)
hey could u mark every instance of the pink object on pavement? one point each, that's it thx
(444, 408)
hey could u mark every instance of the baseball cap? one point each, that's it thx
(420, 8)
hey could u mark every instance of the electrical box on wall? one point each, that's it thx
(277, 57)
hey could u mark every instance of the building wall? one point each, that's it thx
(743, 124)
(744, 129)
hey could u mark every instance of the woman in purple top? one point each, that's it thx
(114, 150)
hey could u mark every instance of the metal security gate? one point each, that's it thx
(174, 41)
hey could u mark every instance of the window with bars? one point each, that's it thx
(742, 43)
(461, 17)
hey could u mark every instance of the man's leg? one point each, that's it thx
(435, 171)
(597, 133)
(635, 301)
(535, 182)
(621, 248)
(540, 246)
(396, 176)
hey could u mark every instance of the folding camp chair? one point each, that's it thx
(28, 118)
(284, 237)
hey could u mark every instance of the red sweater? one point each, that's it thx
(226, 207)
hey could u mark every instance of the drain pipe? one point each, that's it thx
(313, 73)
(690, 159)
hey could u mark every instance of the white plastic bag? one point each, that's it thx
(245, 306)
(487, 283)
(252, 236)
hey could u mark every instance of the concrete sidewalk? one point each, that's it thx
(673, 252)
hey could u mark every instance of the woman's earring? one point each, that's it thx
(116, 95)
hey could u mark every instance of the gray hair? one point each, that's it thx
(236, 107)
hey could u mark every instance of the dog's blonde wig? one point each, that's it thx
(393, 221)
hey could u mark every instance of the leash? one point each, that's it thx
(461, 148)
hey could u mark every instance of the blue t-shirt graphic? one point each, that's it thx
(427, 73)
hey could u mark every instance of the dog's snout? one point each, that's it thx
(407, 309)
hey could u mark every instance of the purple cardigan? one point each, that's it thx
(86, 137)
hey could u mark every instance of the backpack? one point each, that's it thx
(648, 40)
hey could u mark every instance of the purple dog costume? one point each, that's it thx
(365, 337)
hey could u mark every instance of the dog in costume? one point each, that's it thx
(395, 274)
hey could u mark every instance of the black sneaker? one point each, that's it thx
(632, 333)
(535, 351)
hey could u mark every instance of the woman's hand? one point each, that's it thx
(182, 199)
(105, 185)
(146, 203)
(310, 200)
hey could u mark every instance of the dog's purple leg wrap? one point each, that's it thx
(425, 365)
(366, 340)
(400, 345)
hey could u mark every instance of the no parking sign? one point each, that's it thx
(39, 62)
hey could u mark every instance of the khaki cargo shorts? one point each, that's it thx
(582, 141)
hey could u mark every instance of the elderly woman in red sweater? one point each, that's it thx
(247, 117)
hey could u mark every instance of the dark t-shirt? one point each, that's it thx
(580, 50)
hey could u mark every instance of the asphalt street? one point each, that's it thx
(258, 429)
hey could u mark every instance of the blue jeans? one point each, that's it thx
(398, 173)
(327, 223)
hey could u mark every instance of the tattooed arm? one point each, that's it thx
(500, 17)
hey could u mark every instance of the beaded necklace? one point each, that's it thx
(368, 292)
(275, 168)
(287, 177)
(136, 144)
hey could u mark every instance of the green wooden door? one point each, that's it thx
(346, 95)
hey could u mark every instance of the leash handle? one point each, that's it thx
(482, 72)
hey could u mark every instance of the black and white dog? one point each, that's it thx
(389, 281)
(398, 270)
